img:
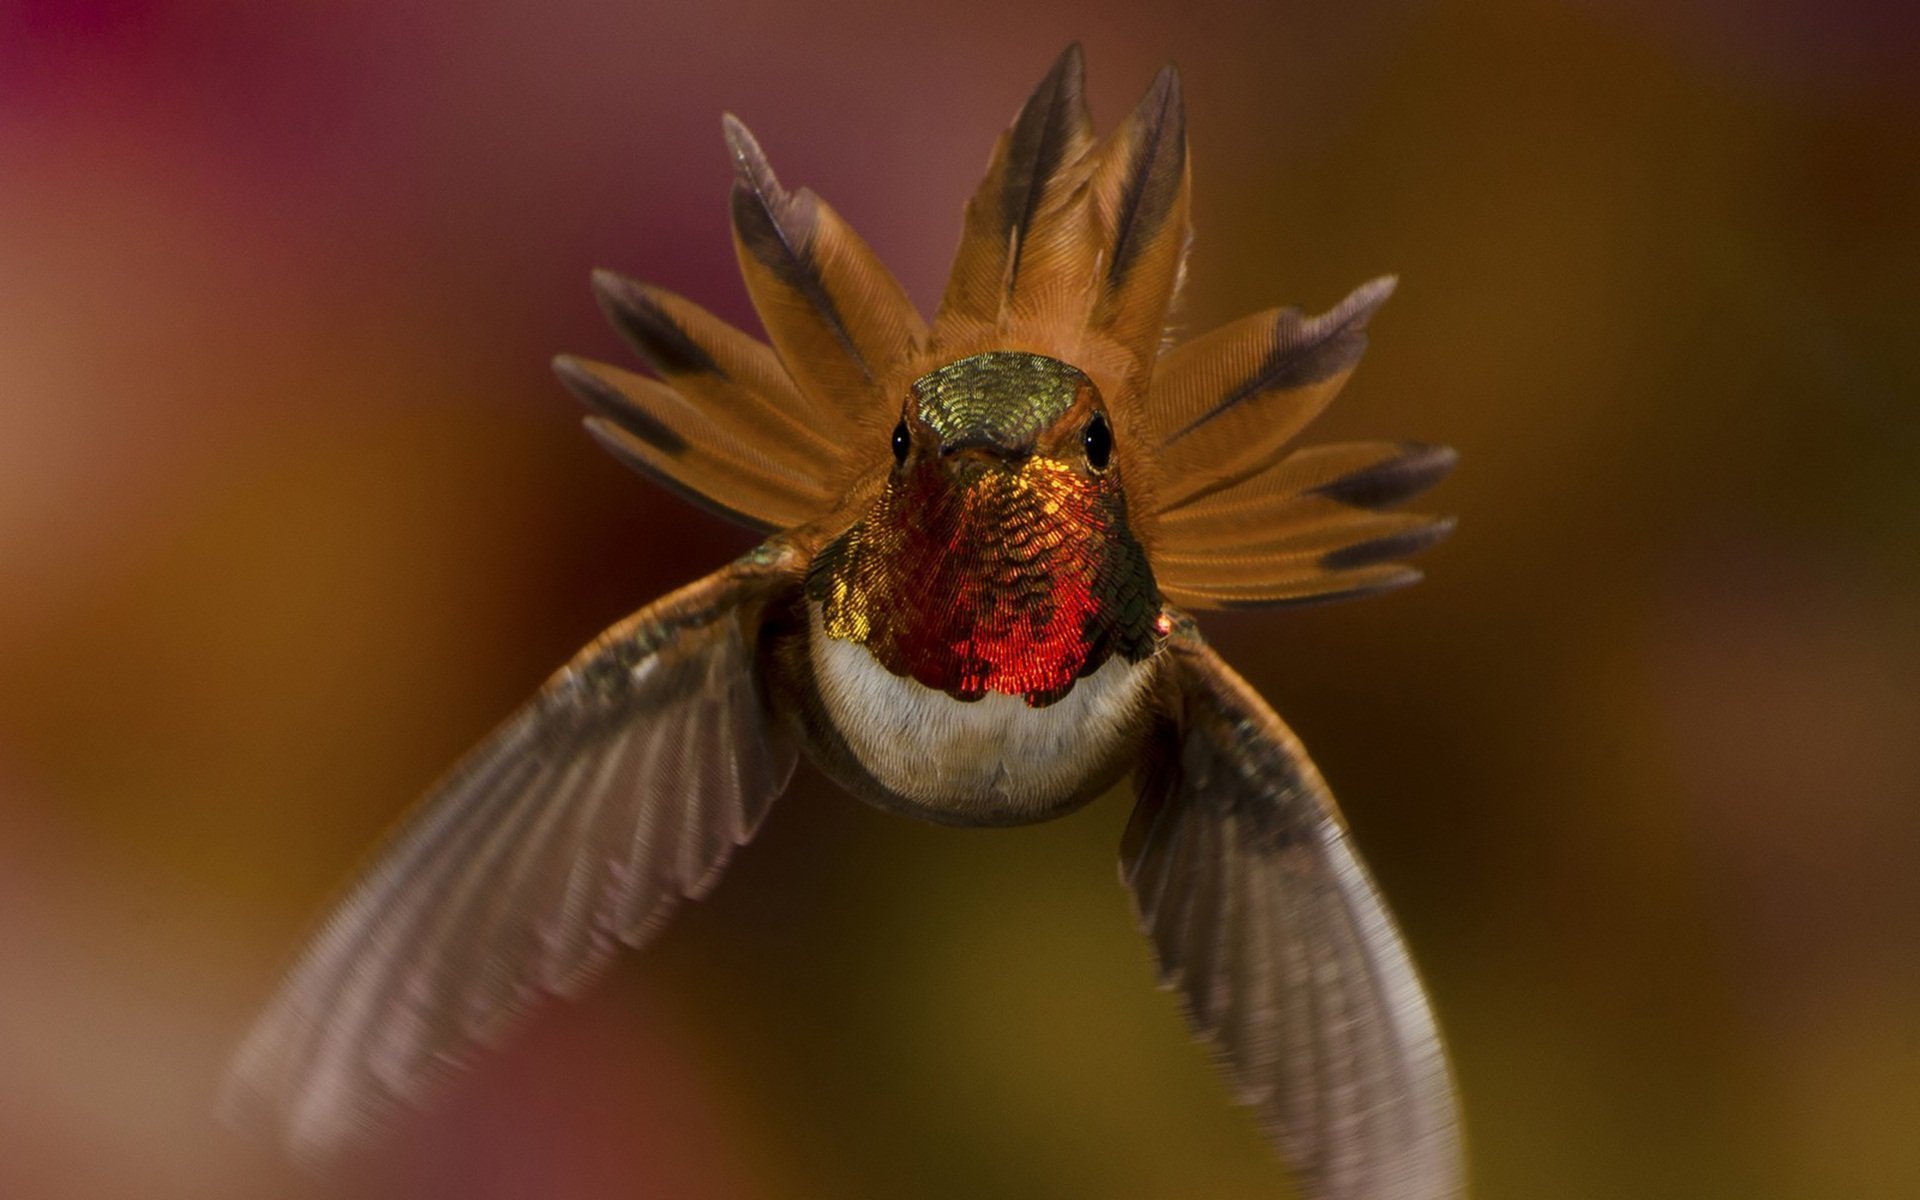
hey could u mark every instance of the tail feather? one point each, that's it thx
(658, 432)
(1312, 587)
(1309, 527)
(1021, 221)
(1225, 404)
(734, 377)
(1140, 186)
(1074, 248)
(839, 319)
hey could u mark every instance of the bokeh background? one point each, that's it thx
(291, 511)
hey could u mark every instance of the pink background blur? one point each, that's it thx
(291, 510)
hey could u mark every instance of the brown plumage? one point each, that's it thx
(1138, 186)
(1025, 244)
(982, 509)
(842, 325)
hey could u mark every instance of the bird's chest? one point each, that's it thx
(995, 760)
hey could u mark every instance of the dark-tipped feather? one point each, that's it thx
(1307, 489)
(720, 459)
(837, 316)
(1139, 185)
(1226, 404)
(1322, 553)
(1294, 591)
(1026, 243)
(1052, 132)
(1394, 481)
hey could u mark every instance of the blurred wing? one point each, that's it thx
(578, 824)
(1285, 957)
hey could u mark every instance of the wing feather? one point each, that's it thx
(1285, 958)
(582, 821)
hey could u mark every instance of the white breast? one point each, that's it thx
(993, 755)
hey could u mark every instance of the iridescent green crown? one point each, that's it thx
(1005, 396)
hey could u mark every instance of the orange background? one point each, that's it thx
(291, 511)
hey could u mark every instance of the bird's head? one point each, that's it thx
(997, 555)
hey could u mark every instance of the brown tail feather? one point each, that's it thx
(1314, 587)
(839, 319)
(1310, 526)
(1374, 475)
(1140, 184)
(733, 377)
(1070, 248)
(653, 429)
(1014, 229)
(1225, 404)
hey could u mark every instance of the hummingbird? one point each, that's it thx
(985, 538)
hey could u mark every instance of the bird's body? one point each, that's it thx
(991, 761)
(984, 535)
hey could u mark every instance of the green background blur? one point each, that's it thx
(291, 511)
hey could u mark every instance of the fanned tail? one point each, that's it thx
(1226, 404)
(1071, 248)
(1313, 526)
(770, 436)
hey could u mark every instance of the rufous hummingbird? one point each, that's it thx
(984, 539)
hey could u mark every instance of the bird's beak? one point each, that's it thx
(985, 447)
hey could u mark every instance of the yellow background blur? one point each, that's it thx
(291, 511)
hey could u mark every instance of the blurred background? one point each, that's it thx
(291, 511)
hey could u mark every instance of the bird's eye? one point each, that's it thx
(902, 441)
(1098, 440)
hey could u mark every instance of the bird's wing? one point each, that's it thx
(1283, 953)
(579, 824)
